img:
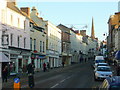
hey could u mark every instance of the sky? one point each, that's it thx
(77, 14)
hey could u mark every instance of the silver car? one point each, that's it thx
(98, 61)
(101, 64)
(101, 72)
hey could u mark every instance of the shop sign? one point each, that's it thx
(19, 56)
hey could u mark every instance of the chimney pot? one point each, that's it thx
(26, 10)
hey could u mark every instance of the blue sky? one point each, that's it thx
(77, 14)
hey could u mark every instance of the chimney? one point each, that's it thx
(77, 31)
(11, 1)
(26, 10)
(83, 32)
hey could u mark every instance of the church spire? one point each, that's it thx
(92, 30)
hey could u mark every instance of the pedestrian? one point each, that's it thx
(5, 73)
(44, 66)
(48, 66)
(85, 59)
(118, 70)
(30, 69)
(81, 58)
(63, 63)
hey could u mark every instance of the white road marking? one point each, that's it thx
(55, 85)
(62, 80)
(69, 77)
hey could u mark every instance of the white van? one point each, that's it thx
(99, 59)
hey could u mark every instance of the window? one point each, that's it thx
(3, 16)
(18, 22)
(40, 46)
(24, 42)
(43, 46)
(31, 43)
(24, 25)
(11, 19)
(18, 41)
(34, 44)
(11, 38)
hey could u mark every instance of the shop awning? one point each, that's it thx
(3, 58)
(42, 57)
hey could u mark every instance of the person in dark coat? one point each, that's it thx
(30, 68)
(48, 66)
(44, 66)
(5, 73)
(63, 64)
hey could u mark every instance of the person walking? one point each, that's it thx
(48, 66)
(63, 64)
(44, 66)
(30, 69)
(5, 74)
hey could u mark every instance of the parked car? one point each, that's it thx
(102, 64)
(98, 61)
(101, 72)
(110, 83)
(99, 58)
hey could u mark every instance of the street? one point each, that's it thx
(74, 76)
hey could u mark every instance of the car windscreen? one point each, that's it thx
(102, 65)
(99, 61)
(103, 69)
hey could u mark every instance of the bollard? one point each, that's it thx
(16, 83)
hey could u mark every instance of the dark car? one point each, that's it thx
(111, 83)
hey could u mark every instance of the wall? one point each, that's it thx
(54, 38)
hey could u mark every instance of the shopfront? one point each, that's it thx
(38, 59)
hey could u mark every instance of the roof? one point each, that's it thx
(10, 5)
(13, 7)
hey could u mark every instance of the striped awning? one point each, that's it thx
(3, 57)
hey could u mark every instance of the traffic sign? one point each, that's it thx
(16, 80)
(16, 83)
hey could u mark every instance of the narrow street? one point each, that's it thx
(74, 76)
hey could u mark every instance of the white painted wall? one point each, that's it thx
(17, 30)
(54, 38)
(117, 40)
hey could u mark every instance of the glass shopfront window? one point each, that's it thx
(12, 67)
